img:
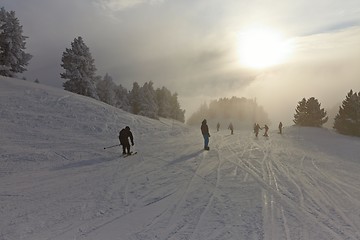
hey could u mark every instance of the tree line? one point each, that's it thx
(81, 78)
(80, 75)
(243, 110)
(308, 112)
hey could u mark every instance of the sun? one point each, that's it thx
(260, 47)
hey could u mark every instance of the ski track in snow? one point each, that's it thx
(58, 183)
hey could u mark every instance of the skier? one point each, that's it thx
(124, 136)
(280, 127)
(206, 134)
(266, 130)
(231, 127)
(256, 129)
(218, 126)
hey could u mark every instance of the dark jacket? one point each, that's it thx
(124, 136)
(204, 128)
(257, 128)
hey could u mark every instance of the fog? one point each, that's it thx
(191, 47)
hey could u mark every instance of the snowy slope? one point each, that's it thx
(57, 182)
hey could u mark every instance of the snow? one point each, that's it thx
(57, 182)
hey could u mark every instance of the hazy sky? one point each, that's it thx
(192, 47)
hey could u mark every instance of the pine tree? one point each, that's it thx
(134, 98)
(300, 113)
(13, 58)
(309, 113)
(163, 97)
(147, 99)
(176, 112)
(121, 98)
(79, 69)
(105, 89)
(347, 121)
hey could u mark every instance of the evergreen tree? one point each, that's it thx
(121, 98)
(163, 97)
(347, 121)
(147, 102)
(176, 112)
(105, 89)
(309, 113)
(147, 99)
(79, 69)
(300, 113)
(13, 58)
(134, 98)
(247, 111)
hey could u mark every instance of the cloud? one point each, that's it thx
(119, 5)
(325, 66)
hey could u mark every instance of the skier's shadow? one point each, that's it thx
(184, 158)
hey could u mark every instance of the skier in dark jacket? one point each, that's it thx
(206, 134)
(124, 136)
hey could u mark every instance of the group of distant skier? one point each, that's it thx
(125, 134)
(205, 131)
(257, 128)
(231, 127)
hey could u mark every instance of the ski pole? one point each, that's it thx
(112, 146)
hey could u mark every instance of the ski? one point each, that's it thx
(128, 155)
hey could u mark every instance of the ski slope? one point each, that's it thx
(58, 183)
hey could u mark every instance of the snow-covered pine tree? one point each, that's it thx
(309, 113)
(134, 98)
(163, 97)
(105, 89)
(347, 121)
(121, 98)
(79, 69)
(176, 112)
(148, 103)
(13, 58)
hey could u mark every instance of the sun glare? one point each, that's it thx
(262, 47)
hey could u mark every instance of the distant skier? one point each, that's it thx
(231, 127)
(280, 127)
(218, 126)
(124, 136)
(266, 130)
(256, 129)
(206, 134)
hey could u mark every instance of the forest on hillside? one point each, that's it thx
(241, 112)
